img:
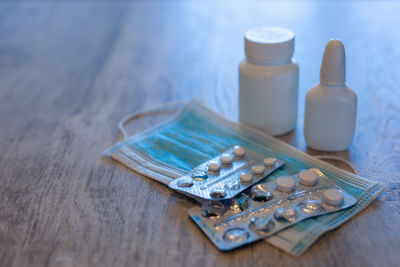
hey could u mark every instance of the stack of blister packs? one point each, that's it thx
(236, 212)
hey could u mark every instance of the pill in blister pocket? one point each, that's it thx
(226, 159)
(270, 162)
(333, 197)
(239, 151)
(214, 166)
(245, 177)
(285, 184)
(258, 169)
(308, 177)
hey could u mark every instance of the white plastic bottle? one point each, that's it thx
(268, 81)
(331, 106)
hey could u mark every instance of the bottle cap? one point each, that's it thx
(269, 43)
(333, 67)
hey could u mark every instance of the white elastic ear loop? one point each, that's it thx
(330, 157)
(146, 112)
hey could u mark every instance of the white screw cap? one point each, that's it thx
(333, 67)
(269, 43)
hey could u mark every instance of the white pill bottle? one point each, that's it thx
(268, 81)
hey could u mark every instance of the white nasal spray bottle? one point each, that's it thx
(331, 106)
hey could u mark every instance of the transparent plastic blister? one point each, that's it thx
(268, 208)
(226, 175)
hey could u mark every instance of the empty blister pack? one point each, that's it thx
(269, 208)
(226, 175)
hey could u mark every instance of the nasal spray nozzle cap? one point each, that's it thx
(333, 67)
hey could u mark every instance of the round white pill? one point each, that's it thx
(333, 197)
(270, 162)
(285, 184)
(308, 177)
(239, 151)
(245, 178)
(258, 169)
(214, 166)
(226, 159)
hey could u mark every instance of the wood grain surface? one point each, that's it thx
(70, 70)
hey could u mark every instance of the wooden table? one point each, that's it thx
(70, 70)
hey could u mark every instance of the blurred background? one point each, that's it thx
(80, 56)
(70, 70)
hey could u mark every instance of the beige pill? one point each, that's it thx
(258, 169)
(226, 159)
(245, 177)
(285, 184)
(270, 162)
(333, 197)
(239, 151)
(308, 177)
(214, 166)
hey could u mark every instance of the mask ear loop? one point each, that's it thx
(146, 112)
(346, 162)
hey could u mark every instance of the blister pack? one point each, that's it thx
(268, 208)
(226, 175)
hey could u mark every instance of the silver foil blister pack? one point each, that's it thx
(268, 208)
(226, 175)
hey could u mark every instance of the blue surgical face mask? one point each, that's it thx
(197, 134)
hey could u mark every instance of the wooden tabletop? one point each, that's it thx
(70, 70)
